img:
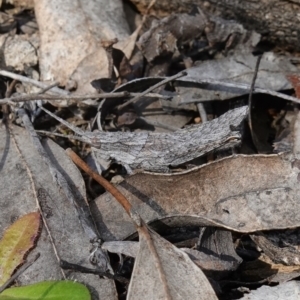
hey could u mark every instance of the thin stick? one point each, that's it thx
(39, 84)
(149, 7)
(246, 87)
(181, 74)
(56, 90)
(10, 89)
(62, 121)
(48, 88)
(254, 138)
(6, 109)
(32, 97)
(77, 268)
(101, 180)
(71, 137)
(202, 112)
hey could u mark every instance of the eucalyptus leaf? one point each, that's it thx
(48, 290)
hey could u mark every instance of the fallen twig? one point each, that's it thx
(181, 74)
(101, 180)
(42, 85)
(254, 138)
(202, 112)
(245, 87)
(69, 266)
(32, 97)
(54, 84)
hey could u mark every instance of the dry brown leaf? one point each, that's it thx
(242, 193)
(170, 275)
(72, 30)
(127, 45)
(165, 35)
(238, 69)
(94, 65)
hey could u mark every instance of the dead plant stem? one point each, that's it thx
(159, 84)
(101, 180)
(32, 97)
(42, 85)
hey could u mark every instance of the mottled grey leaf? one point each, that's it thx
(18, 198)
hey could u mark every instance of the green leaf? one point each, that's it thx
(18, 239)
(48, 290)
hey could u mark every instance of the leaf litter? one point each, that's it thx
(232, 199)
(167, 270)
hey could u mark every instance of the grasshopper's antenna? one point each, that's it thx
(73, 137)
(78, 131)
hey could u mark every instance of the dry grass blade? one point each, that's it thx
(161, 270)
